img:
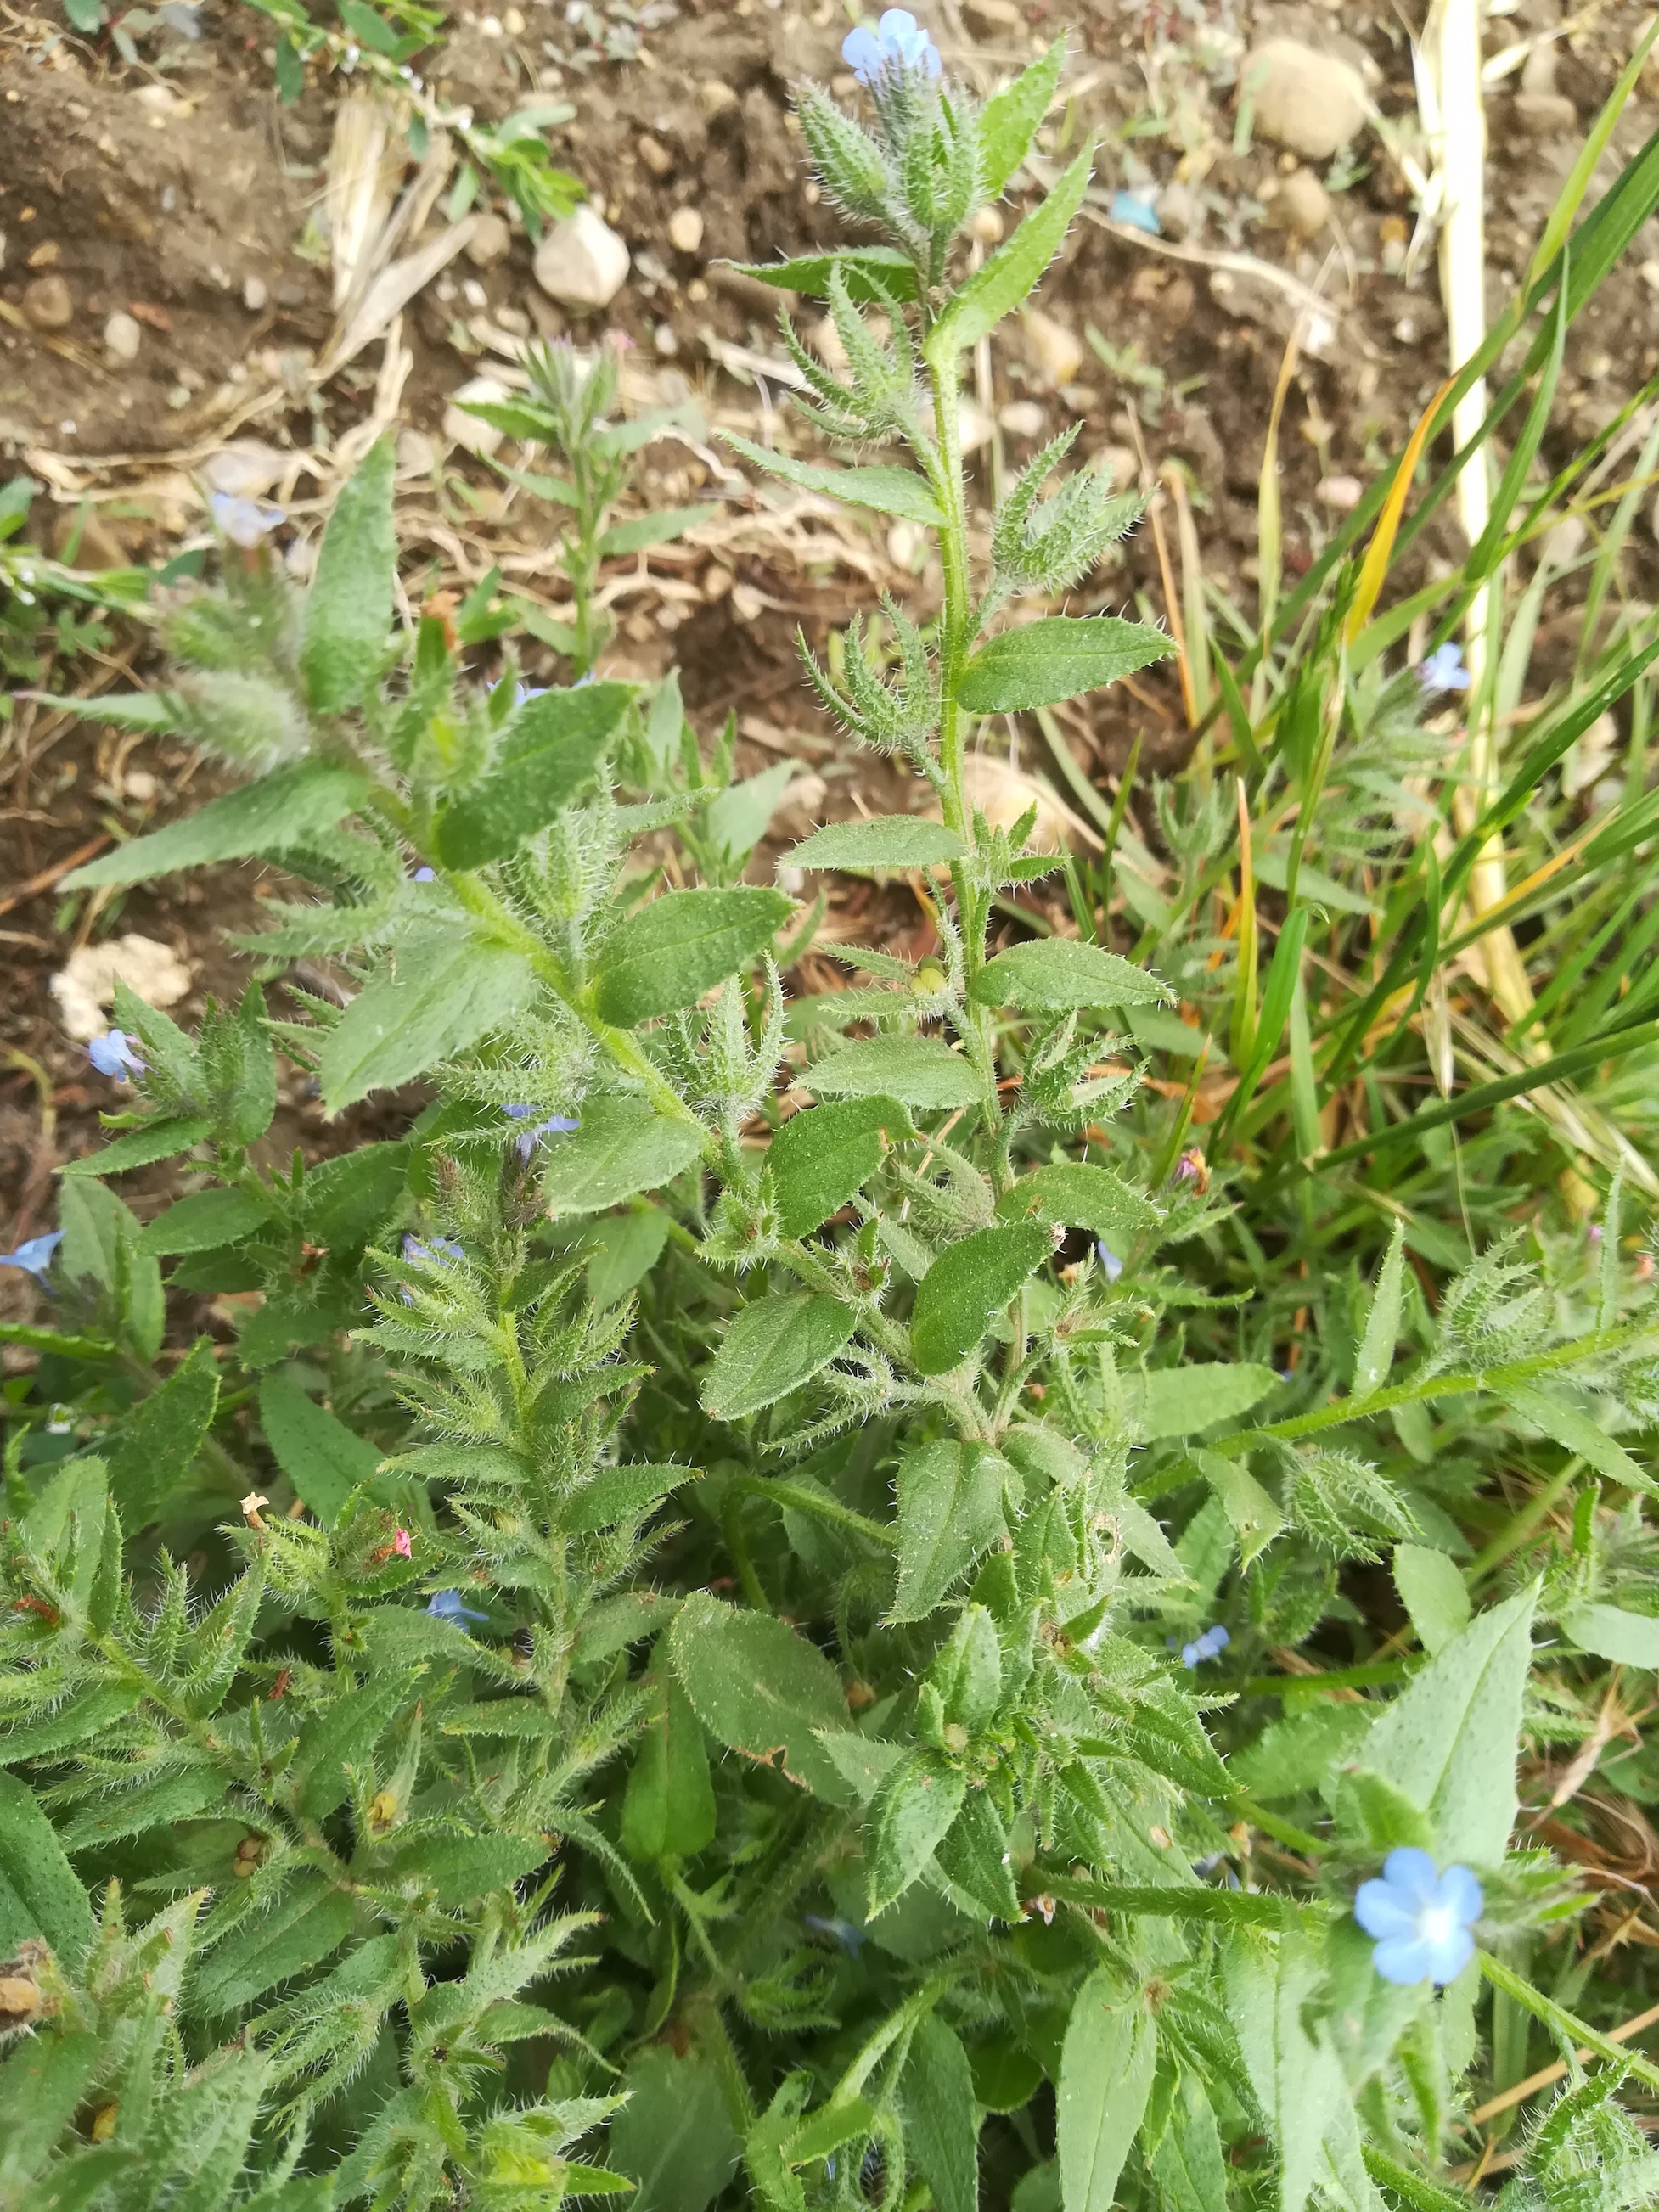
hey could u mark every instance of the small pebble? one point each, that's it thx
(655, 155)
(122, 336)
(46, 255)
(986, 227)
(1340, 494)
(582, 263)
(685, 230)
(491, 241)
(1309, 101)
(513, 23)
(715, 96)
(666, 339)
(1301, 206)
(48, 303)
(1054, 349)
(255, 294)
(468, 431)
(1022, 418)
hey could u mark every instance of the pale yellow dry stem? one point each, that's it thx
(1452, 50)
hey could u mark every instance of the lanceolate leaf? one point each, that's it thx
(1053, 975)
(160, 1139)
(1183, 1401)
(204, 1221)
(1105, 2079)
(666, 956)
(941, 2124)
(349, 607)
(621, 1148)
(897, 841)
(772, 1348)
(759, 1688)
(278, 812)
(914, 1807)
(883, 489)
(1083, 1196)
(922, 1071)
(150, 1454)
(447, 991)
(324, 1459)
(1449, 1741)
(871, 274)
(1006, 126)
(819, 1158)
(40, 1893)
(967, 1286)
(1012, 271)
(1382, 1322)
(549, 751)
(1057, 657)
(949, 1508)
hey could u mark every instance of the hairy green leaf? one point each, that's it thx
(667, 954)
(348, 606)
(967, 1286)
(1053, 975)
(772, 1348)
(821, 1158)
(280, 812)
(1058, 657)
(448, 990)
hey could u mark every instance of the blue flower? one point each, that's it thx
(424, 876)
(1210, 1645)
(1109, 1260)
(1135, 211)
(447, 1604)
(34, 1256)
(1443, 670)
(242, 521)
(839, 1929)
(113, 1054)
(556, 1124)
(898, 42)
(523, 693)
(441, 1251)
(1421, 1919)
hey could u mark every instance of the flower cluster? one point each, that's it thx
(1210, 1645)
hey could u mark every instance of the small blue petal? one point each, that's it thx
(425, 876)
(34, 1255)
(1135, 211)
(1443, 670)
(447, 1604)
(113, 1054)
(1404, 1958)
(241, 520)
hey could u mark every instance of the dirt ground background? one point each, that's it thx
(168, 326)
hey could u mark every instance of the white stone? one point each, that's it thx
(467, 430)
(1055, 350)
(256, 294)
(122, 336)
(491, 241)
(1311, 102)
(245, 470)
(685, 230)
(976, 426)
(1022, 418)
(1340, 494)
(85, 986)
(1301, 206)
(582, 263)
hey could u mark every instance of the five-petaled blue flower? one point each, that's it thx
(33, 1256)
(555, 1124)
(1421, 1919)
(447, 1604)
(1210, 1645)
(113, 1054)
(243, 521)
(898, 42)
(1135, 211)
(1443, 670)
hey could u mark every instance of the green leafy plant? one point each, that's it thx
(795, 1657)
